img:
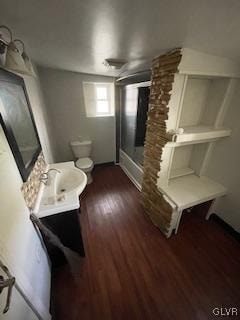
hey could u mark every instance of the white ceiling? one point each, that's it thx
(78, 35)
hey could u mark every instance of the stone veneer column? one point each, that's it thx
(164, 68)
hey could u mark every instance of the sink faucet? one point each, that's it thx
(45, 178)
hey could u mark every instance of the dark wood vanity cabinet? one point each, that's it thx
(66, 226)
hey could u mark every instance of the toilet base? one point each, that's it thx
(89, 177)
(86, 165)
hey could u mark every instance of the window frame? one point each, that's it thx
(110, 99)
(107, 99)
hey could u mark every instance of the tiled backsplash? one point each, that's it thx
(31, 187)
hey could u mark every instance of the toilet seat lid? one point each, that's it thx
(84, 163)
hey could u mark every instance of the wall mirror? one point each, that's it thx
(18, 123)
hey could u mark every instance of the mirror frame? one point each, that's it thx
(6, 76)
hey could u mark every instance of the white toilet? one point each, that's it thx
(82, 151)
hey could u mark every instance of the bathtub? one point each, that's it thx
(132, 170)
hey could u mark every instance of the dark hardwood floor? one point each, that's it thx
(131, 271)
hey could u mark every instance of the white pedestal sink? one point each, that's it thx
(62, 194)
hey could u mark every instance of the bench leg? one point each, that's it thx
(178, 220)
(211, 208)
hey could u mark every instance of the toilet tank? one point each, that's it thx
(81, 149)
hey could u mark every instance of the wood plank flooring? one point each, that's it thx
(131, 271)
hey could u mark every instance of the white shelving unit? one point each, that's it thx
(198, 105)
(187, 191)
(198, 134)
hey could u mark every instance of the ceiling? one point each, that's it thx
(78, 35)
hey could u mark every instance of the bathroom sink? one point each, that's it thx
(62, 192)
(70, 180)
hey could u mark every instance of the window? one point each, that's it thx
(98, 99)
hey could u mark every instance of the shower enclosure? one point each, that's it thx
(134, 108)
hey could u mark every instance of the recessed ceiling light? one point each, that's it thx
(114, 63)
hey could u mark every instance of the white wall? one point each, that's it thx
(20, 247)
(224, 166)
(41, 117)
(40, 114)
(64, 97)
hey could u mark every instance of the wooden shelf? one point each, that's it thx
(175, 173)
(190, 190)
(197, 134)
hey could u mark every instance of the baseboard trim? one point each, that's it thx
(226, 226)
(105, 164)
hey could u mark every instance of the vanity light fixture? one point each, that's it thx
(26, 59)
(15, 60)
(4, 43)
